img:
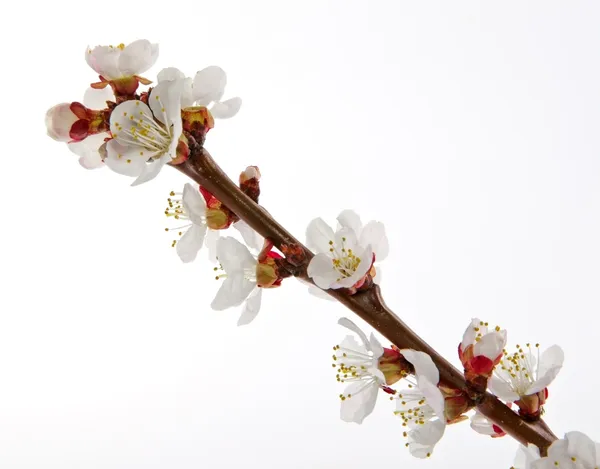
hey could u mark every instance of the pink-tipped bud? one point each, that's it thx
(59, 120)
(251, 172)
(480, 351)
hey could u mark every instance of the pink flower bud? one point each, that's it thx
(59, 120)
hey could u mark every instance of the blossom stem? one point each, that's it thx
(369, 304)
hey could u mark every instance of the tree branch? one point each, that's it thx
(369, 305)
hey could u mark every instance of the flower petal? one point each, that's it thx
(550, 365)
(428, 433)
(424, 366)
(190, 243)
(165, 101)
(581, 447)
(373, 233)
(320, 269)
(226, 109)
(345, 322)
(96, 98)
(194, 204)
(433, 396)
(251, 307)
(350, 219)
(375, 347)
(123, 159)
(490, 345)
(502, 390)
(104, 61)
(470, 333)
(481, 424)
(209, 85)
(137, 57)
(525, 456)
(233, 292)
(87, 150)
(150, 170)
(212, 236)
(234, 256)
(319, 235)
(170, 74)
(422, 439)
(250, 237)
(361, 403)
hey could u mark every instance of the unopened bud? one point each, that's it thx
(251, 172)
(59, 120)
(197, 121)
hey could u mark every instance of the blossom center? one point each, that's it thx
(415, 410)
(145, 132)
(353, 365)
(345, 262)
(519, 369)
(176, 211)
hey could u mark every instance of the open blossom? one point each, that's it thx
(146, 137)
(421, 406)
(481, 350)
(358, 365)
(118, 62)
(344, 258)
(523, 377)
(575, 451)
(245, 277)
(204, 219)
(206, 89)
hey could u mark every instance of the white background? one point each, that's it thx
(469, 128)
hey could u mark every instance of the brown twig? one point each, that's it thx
(369, 305)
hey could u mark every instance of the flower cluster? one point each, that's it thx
(369, 368)
(137, 134)
(521, 378)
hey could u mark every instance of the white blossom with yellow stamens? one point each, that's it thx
(188, 206)
(421, 405)
(345, 257)
(357, 365)
(145, 138)
(525, 372)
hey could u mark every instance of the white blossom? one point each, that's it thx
(421, 405)
(357, 365)
(344, 258)
(241, 283)
(116, 62)
(524, 372)
(146, 137)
